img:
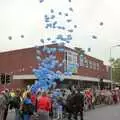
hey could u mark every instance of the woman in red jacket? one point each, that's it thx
(44, 103)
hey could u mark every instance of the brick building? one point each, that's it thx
(19, 64)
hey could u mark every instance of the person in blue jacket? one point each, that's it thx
(28, 107)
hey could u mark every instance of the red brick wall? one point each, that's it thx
(15, 61)
(18, 62)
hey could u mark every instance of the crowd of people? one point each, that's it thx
(54, 104)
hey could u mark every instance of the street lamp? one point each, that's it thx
(111, 63)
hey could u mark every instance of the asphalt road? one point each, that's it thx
(104, 113)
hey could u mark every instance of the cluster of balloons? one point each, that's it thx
(52, 22)
(48, 72)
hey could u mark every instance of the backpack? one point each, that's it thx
(28, 109)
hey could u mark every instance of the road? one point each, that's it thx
(104, 113)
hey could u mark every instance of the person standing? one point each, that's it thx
(7, 97)
(69, 106)
(44, 104)
(78, 104)
(3, 104)
(34, 100)
(27, 107)
(16, 104)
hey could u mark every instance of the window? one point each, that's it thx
(69, 58)
(90, 64)
(74, 59)
(81, 60)
(71, 61)
(98, 66)
(94, 65)
(86, 63)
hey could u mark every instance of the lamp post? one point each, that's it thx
(111, 76)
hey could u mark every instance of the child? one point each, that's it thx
(59, 109)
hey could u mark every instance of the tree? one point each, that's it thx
(116, 70)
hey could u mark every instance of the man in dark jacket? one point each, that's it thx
(69, 107)
(76, 105)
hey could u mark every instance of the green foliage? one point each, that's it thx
(116, 70)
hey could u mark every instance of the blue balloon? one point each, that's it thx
(70, 30)
(47, 20)
(66, 14)
(69, 20)
(59, 37)
(59, 27)
(53, 41)
(54, 84)
(60, 13)
(68, 73)
(52, 56)
(34, 70)
(42, 40)
(57, 61)
(71, 9)
(63, 28)
(41, 1)
(60, 65)
(49, 25)
(67, 41)
(52, 11)
(48, 39)
(54, 24)
(48, 51)
(46, 16)
(58, 72)
(75, 26)
(53, 16)
(69, 37)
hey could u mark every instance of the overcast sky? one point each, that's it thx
(25, 17)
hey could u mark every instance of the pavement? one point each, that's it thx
(111, 112)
